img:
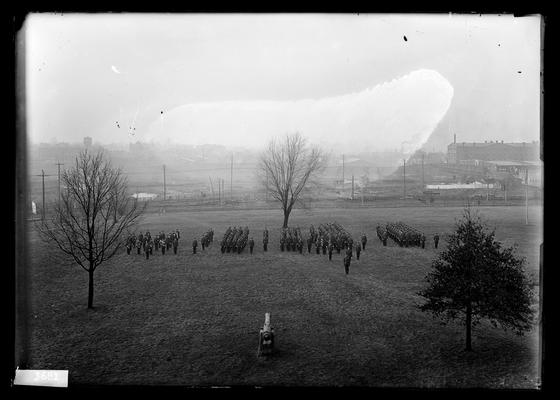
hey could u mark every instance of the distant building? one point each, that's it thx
(461, 153)
(420, 157)
(88, 142)
(518, 169)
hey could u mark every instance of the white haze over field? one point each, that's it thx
(398, 114)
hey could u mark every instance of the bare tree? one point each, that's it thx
(89, 223)
(287, 167)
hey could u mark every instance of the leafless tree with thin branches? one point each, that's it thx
(287, 167)
(90, 222)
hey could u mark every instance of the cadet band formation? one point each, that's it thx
(325, 239)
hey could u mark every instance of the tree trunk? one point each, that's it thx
(90, 290)
(469, 323)
(286, 216)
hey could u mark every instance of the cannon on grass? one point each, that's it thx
(266, 338)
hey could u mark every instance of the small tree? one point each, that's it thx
(89, 223)
(287, 167)
(475, 278)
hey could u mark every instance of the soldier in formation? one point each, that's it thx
(149, 247)
(265, 239)
(194, 245)
(349, 251)
(436, 240)
(347, 259)
(130, 243)
(138, 245)
(358, 249)
(207, 238)
(175, 244)
(251, 245)
(364, 241)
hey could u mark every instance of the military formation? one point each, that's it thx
(207, 238)
(325, 239)
(382, 234)
(330, 237)
(234, 240)
(146, 244)
(291, 239)
(405, 235)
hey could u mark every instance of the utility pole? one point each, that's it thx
(362, 191)
(526, 196)
(404, 178)
(59, 164)
(212, 188)
(220, 191)
(231, 179)
(164, 185)
(44, 207)
(352, 186)
(343, 173)
(422, 170)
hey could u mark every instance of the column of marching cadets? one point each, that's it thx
(326, 239)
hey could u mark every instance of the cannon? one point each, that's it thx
(266, 337)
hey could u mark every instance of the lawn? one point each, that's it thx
(193, 319)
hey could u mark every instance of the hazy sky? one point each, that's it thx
(240, 78)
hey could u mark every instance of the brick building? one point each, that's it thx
(459, 153)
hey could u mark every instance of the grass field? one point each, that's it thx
(191, 319)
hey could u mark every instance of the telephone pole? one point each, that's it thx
(59, 164)
(220, 191)
(231, 179)
(343, 172)
(44, 207)
(352, 186)
(362, 191)
(404, 178)
(423, 171)
(164, 185)
(526, 196)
